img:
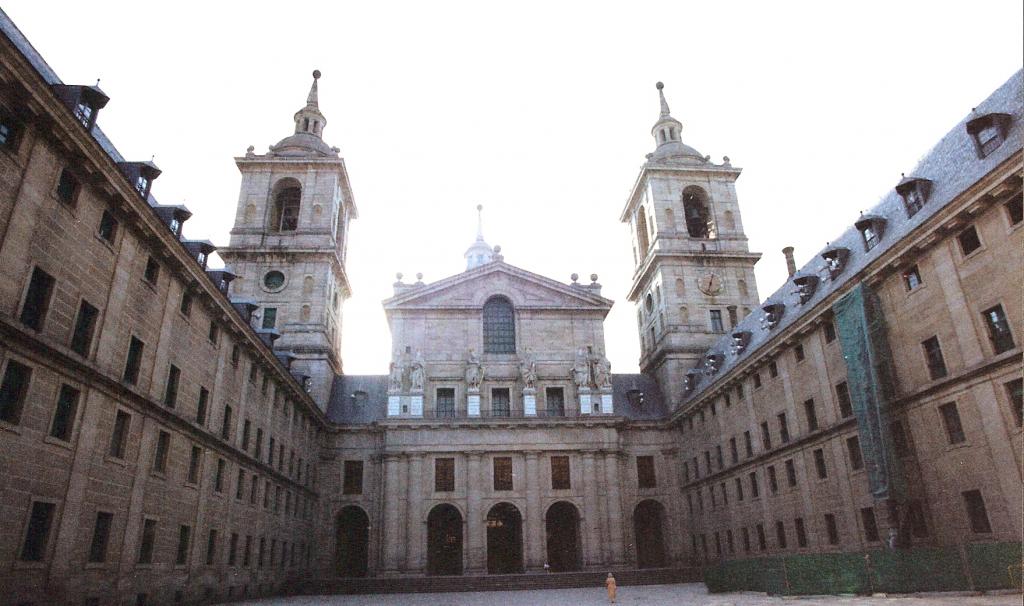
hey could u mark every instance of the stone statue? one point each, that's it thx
(396, 373)
(474, 370)
(602, 371)
(581, 369)
(528, 371)
(417, 373)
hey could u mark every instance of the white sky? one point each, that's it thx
(541, 112)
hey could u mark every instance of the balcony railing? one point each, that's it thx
(513, 413)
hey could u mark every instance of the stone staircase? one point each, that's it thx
(497, 582)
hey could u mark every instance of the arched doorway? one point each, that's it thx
(648, 520)
(444, 540)
(562, 523)
(352, 530)
(504, 539)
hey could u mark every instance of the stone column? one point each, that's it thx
(615, 519)
(535, 556)
(591, 517)
(392, 488)
(672, 528)
(416, 536)
(476, 539)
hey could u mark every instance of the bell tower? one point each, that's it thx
(694, 275)
(289, 243)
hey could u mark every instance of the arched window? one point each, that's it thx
(641, 231)
(697, 212)
(285, 215)
(499, 326)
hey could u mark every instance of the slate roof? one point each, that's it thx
(952, 165)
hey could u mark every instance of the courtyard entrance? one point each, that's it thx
(444, 541)
(352, 530)
(648, 518)
(504, 540)
(563, 523)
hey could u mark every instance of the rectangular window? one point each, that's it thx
(240, 484)
(1015, 394)
(502, 473)
(911, 278)
(37, 299)
(780, 533)
(716, 321)
(211, 548)
(762, 540)
(253, 370)
(734, 454)
(38, 532)
(9, 131)
(152, 272)
(755, 490)
(232, 548)
(270, 453)
(246, 431)
(163, 445)
(353, 480)
(853, 449)
(444, 474)
(262, 551)
(686, 471)
(247, 553)
(729, 541)
(801, 532)
(108, 227)
(171, 389)
(645, 472)
(933, 358)
(1015, 210)
(259, 443)
(739, 489)
(951, 421)
(867, 517)
(790, 473)
(718, 457)
(64, 416)
(766, 436)
(555, 399)
(773, 369)
(254, 488)
(225, 428)
(831, 529)
(445, 402)
(85, 325)
(218, 479)
(119, 437)
(185, 307)
(204, 397)
(773, 482)
(707, 462)
(746, 539)
(560, 473)
(900, 443)
(998, 329)
(269, 317)
(798, 353)
(133, 362)
(725, 494)
(67, 187)
(783, 427)
(969, 240)
(194, 461)
(146, 542)
(811, 414)
(214, 332)
(829, 330)
(819, 463)
(748, 443)
(843, 397)
(757, 380)
(918, 524)
(184, 536)
(500, 402)
(100, 537)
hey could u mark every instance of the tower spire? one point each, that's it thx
(480, 252)
(480, 222)
(312, 99)
(665, 113)
(667, 133)
(309, 120)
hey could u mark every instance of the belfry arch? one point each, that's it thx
(697, 213)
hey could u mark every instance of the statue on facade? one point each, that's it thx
(528, 371)
(417, 373)
(396, 374)
(581, 369)
(474, 370)
(602, 371)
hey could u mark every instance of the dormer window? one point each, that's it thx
(988, 132)
(740, 339)
(870, 228)
(713, 363)
(805, 286)
(835, 260)
(84, 112)
(691, 379)
(9, 131)
(772, 315)
(140, 175)
(201, 259)
(142, 185)
(914, 192)
(175, 226)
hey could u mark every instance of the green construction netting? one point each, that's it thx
(995, 565)
(913, 570)
(862, 334)
(825, 573)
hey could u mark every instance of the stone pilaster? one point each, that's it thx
(535, 555)
(615, 519)
(392, 489)
(416, 535)
(591, 517)
(476, 538)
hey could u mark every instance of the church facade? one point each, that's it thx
(172, 433)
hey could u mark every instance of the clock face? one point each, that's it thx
(710, 284)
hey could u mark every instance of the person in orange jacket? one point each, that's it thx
(609, 583)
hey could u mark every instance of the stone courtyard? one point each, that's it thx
(690, 594)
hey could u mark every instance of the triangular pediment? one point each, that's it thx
(472, 288)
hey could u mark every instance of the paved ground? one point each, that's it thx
(648, 595)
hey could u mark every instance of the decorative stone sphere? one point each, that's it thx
(659, 85)
(497, 249)
(575, 277)
(419, 276)
(316, 74)
(593, 277)
(398, 276)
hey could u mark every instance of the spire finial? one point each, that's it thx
(480, 222)
(312, 100)
(661, 95)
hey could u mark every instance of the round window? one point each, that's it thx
(274, 280)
